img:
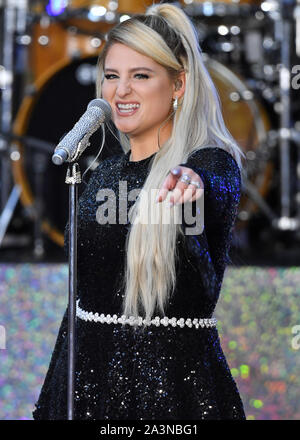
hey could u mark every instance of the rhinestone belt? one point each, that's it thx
(174, 322)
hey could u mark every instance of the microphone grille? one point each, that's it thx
(103, 104)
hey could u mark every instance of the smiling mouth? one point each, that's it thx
(127, 109)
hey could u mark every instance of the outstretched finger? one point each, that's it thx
(168, 184)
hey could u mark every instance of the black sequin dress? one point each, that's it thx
(164, 372)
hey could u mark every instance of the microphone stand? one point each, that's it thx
(78, 140)
(73, 178)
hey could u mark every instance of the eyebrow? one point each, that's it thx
(130, 70)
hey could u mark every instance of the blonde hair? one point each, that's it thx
(166, 35)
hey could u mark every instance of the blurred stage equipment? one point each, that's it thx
(13, 23)
(258, 36)
(249, 47)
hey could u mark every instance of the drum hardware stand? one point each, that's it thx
(290, 223)
(40, 165)
(39, 159)
(297, 18)
(9, 22)
(14, 22)
(8, 211)
(283, 30)
(251, 191)
(284, 143)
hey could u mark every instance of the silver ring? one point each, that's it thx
(197, 184)
(185, 178)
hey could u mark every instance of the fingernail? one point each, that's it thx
(175, 171)
(170, 204)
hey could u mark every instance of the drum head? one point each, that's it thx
(248, 122)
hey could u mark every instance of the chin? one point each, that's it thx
(125, 130)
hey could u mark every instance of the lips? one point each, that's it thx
(127, 108)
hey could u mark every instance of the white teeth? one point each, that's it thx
(128, 106)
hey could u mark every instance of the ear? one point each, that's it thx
(179, 85)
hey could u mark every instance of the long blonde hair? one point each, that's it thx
(166, 35)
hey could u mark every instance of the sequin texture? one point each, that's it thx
(159, 372)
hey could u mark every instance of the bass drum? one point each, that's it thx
(247, 120)
(59, 99)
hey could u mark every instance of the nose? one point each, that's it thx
(124, 88)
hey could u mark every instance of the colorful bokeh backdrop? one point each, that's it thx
(258, 312)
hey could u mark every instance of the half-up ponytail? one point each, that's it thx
(166, 35)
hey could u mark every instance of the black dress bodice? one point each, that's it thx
(161, 372)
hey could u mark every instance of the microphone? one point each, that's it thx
(76, 141)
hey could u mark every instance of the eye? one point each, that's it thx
(109, 76)
(142, 75)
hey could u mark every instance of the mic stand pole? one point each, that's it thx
(73, 178)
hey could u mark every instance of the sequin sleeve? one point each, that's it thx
(222, 180)
(222, 189)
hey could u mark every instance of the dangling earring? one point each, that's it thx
(175, 104)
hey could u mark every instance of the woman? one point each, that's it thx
(166, 110)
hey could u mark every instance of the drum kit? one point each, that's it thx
(48, 63)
